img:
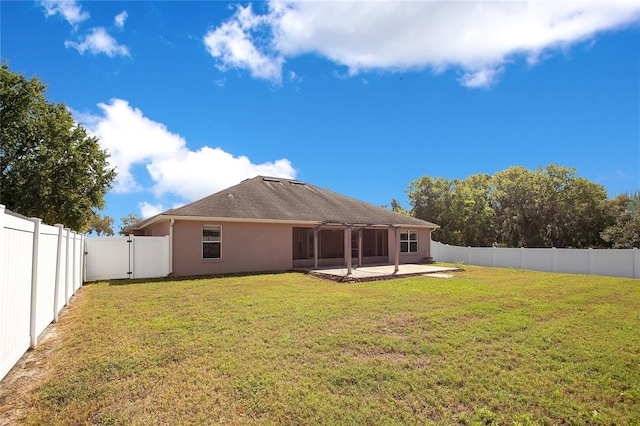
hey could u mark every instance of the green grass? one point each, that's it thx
(490, 346)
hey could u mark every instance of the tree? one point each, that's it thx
(431, 199)
(517, 207)
(625, 231)
(50, 167)
(472, 207)
(397, 207)
(128, 220)
(101, 225)
(461, 207)
(548, 207)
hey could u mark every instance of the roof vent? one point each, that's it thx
(269, 179)
(296, 182)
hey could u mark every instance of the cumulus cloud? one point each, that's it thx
(68, 9)
(234, 45)
(147, 209)
(120, 18)
(475, 38)
(208, 170)
(132, 139)
(99, 41)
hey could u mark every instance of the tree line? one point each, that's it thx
(547, 207)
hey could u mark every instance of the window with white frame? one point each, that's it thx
(408, 241)
(212, 242)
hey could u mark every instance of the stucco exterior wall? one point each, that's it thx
(159, 229)
(246, 247)
(424, 246)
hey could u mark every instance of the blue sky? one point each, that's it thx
(360, 97)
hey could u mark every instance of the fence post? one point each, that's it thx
(75, 262)
(3, 265)
(493, 256)
(56, 291)
(636, 262)
(554, 259)
(66, 271)
(83, 273)
(590, 260)
(33, 339)
(521, 257)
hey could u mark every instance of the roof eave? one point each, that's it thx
(162, 217)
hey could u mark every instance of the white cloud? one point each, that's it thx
(133, 140)
(69, 9)
(477, 38)
(148, 209)
(234, 45)
(120, 18)
(480, 78)
(99, 41)
(209, 170)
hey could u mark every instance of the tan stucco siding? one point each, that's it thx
(246, 247)
(424, 246)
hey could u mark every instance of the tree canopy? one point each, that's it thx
(50, 166)
(625, 231)
(548, 207)
(128, 220)
(101, 225)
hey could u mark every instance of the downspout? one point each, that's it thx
(171, 246)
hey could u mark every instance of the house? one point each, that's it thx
(276, 224)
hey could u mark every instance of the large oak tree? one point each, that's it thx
(49, 165)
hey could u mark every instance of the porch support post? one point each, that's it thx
(360, 247)
(347, 248)
(397, 254)
(316, 231)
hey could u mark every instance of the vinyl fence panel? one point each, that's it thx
(608, 262)
(61, 283)
(107, 258)
(150, 257)
(15, 290)
(38, 275)
(127, 257)
(46, 274)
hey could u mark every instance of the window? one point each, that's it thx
(212, 242)
(408, 241)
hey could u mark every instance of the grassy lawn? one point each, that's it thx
(490, 346)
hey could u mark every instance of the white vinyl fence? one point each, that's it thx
(608, 262)
(40, 269)
(127, 257)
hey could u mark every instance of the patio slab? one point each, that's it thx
(378, 272)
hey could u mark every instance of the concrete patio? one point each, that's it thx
(379, 272)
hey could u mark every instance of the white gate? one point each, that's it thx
(127, 257)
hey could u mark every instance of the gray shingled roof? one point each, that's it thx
(267, 198)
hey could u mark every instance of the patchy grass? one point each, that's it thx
(490, 346)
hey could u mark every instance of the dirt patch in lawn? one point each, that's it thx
(17, 387)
